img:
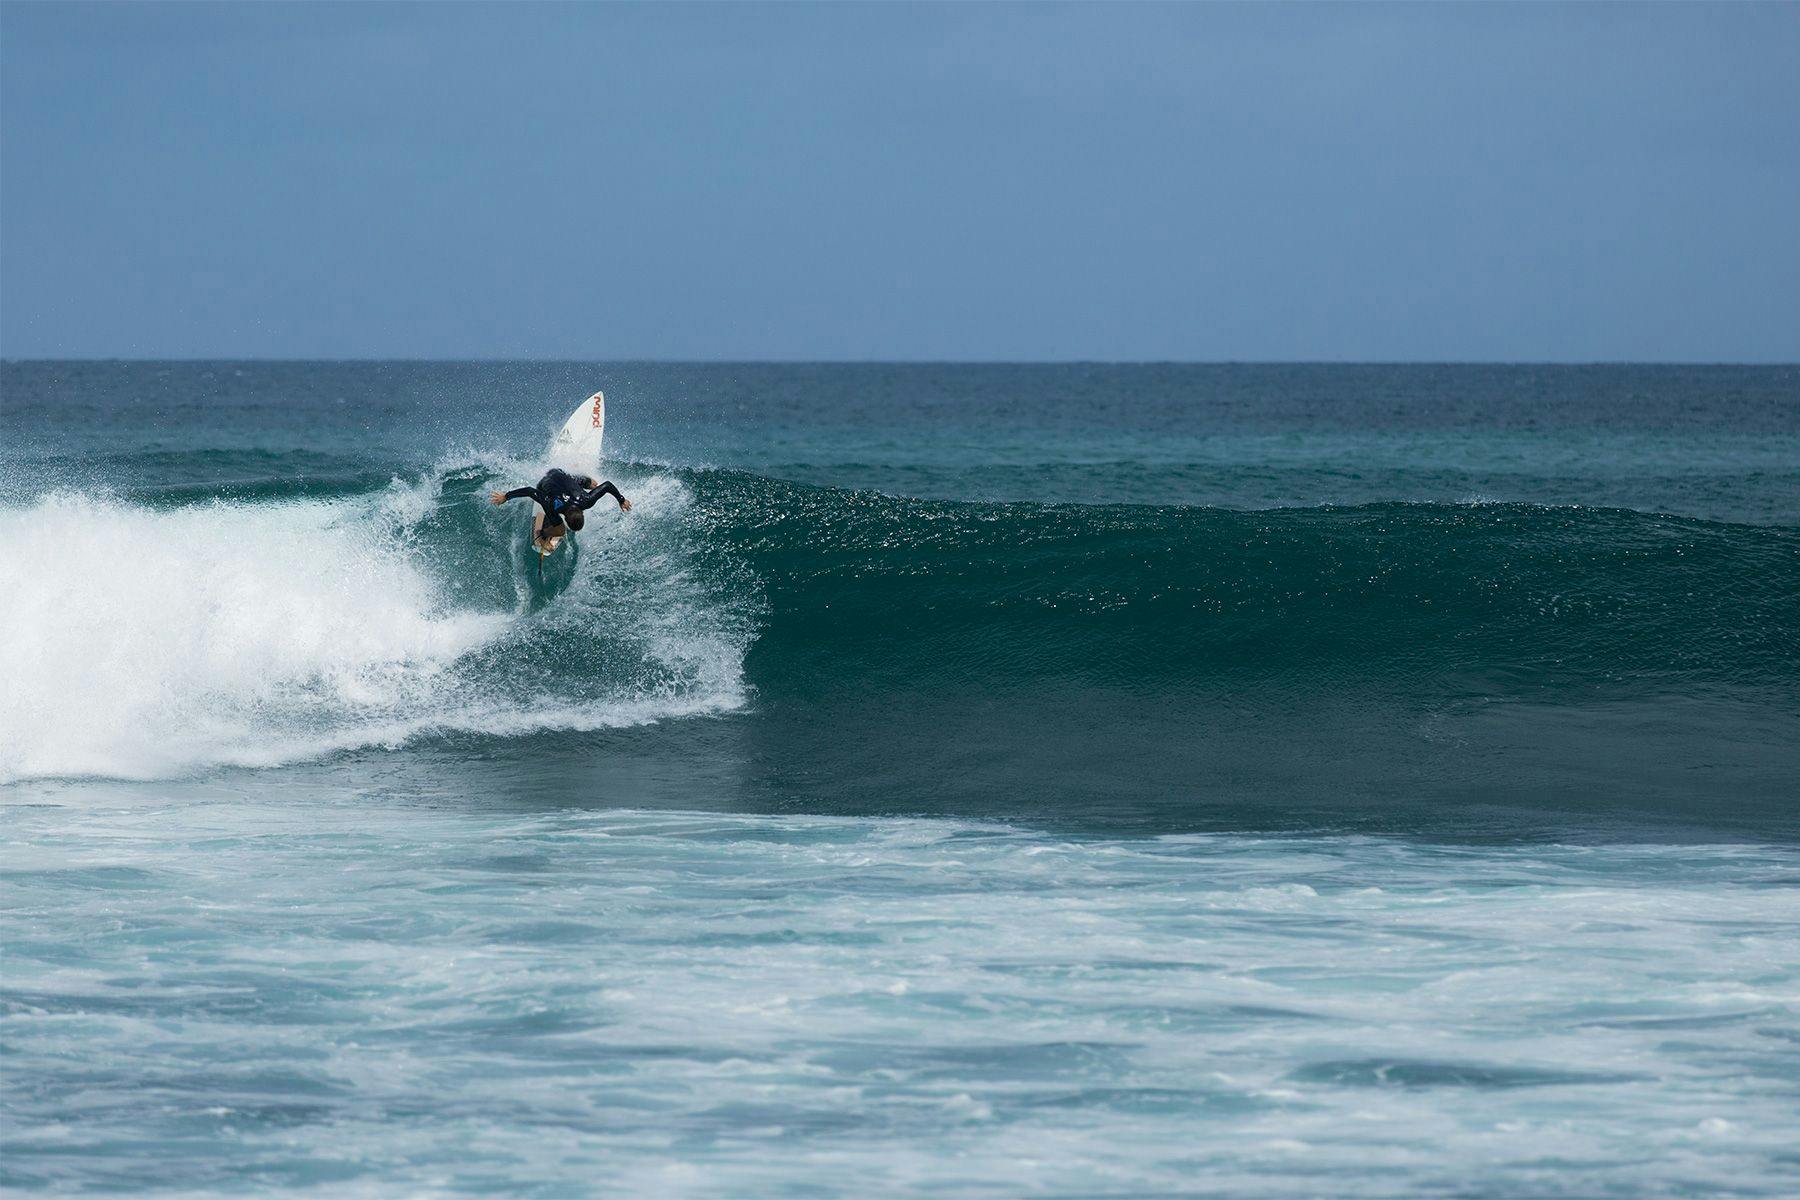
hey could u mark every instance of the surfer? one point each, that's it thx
(564, 499)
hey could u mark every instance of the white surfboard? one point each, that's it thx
(576, 446)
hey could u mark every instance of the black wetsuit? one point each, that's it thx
(559, 492)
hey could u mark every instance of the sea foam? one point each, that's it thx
(275, 992)
(143, 642)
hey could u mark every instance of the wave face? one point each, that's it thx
(1515, 596)
(1376, 668)
(150, 640)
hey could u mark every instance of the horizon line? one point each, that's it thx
(10, 360)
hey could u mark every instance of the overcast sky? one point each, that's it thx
(901, 182)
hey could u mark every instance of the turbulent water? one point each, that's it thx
(950, 780)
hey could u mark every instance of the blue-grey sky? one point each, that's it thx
(1532, 182)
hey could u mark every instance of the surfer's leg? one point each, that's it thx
(540, 543)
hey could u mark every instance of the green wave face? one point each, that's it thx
(1378, 667)
(883, 590)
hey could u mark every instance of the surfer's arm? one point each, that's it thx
(503, 497)
(592, 497)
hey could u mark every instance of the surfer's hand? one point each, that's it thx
(624, 504)
(497, 497)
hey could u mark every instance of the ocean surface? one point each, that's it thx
(962, 780)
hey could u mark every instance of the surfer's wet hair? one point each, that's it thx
(575, 519)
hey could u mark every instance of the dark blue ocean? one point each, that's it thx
(975, 780)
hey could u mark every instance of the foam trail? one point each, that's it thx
(145, 642)
(142, 640)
